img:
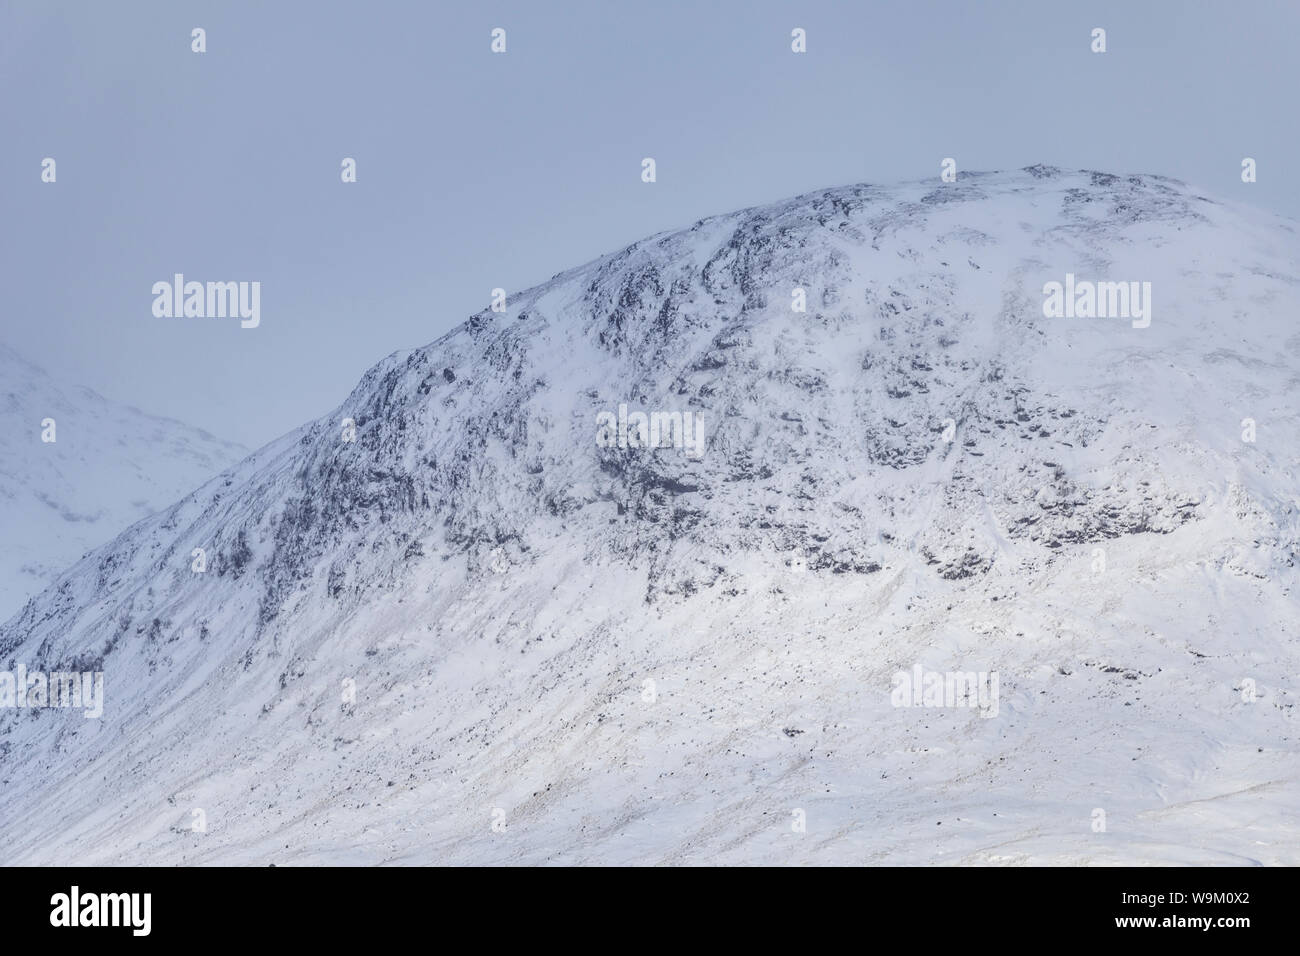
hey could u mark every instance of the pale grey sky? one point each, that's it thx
(479, 170)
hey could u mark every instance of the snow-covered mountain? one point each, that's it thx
(108, 466)
(486, 631)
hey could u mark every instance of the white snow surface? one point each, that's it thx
(109, 466)
(500, 588)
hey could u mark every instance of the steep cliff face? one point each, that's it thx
(920, 467)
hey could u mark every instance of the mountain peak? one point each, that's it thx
(764, 460)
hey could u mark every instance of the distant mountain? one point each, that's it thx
(489, 629)
(109, 466)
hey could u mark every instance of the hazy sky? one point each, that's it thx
(478, 170)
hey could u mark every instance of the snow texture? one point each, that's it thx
(500, 588)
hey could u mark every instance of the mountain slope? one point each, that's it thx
(456, 614)
(108, 466)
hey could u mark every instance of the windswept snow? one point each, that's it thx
(498, 589)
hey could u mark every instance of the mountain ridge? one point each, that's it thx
(62, 499)
(498, 586)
